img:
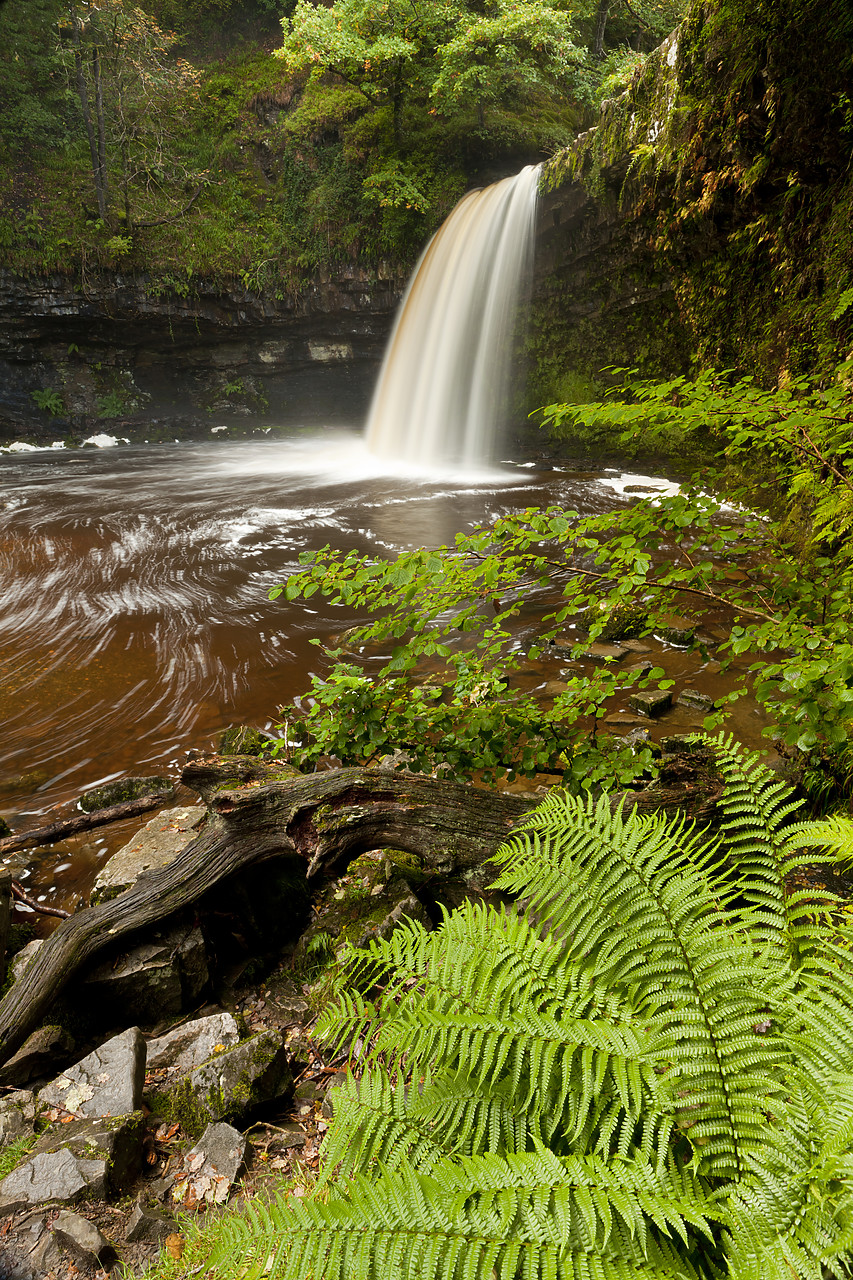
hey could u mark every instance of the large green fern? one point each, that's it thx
(647, 1071)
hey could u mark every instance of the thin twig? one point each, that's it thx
(20, 895)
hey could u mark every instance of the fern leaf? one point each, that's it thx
(528, 1216)
(646, 918)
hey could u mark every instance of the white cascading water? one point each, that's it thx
(443, 390)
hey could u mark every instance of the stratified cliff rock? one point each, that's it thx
(121, 357)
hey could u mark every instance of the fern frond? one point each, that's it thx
(528, 1216)
(646, 921)
(757, 808)
(375, 1123)
(503, 1007)
(834, 835)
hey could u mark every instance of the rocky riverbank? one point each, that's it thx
(179, 1072)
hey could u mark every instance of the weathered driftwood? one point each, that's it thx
(328, 819)
(5, 914)
(80, 822)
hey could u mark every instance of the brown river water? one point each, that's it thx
(135, 623)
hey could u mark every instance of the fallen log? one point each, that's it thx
(81, 822)
(328, 819)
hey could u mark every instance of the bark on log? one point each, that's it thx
(327, 818)
(81, 822)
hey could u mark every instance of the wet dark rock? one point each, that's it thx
(151, 981)
(553, 688)
(601, 652)
(310, 355)
(125, 789)
(107, 1082)
(675, 630)
(82, 1238)
(367, 903)
(651, 702)
(695, 700)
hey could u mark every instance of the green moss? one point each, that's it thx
(724, 171)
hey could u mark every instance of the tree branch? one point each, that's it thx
(83, 822)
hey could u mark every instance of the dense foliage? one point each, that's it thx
(191, 151)
(783, 579)
(648, 1073)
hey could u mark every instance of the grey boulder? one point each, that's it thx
(151, 849)
(81, 1237)
(211, 1167)
(107, 1082)
(17, 1115)
(231, 1083)
(192, 1044)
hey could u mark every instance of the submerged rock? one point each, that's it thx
(695, 700)
(651, 702)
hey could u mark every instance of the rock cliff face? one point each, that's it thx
(110, 356)
(708, 217)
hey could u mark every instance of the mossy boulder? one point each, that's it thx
(124, 789)
(229, 1084)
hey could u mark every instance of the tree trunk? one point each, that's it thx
(99, 117)
(83, 95)
(328, 819)
(600, 27)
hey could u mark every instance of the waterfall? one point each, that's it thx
(443, 391)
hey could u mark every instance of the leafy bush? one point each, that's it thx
(647, 1073)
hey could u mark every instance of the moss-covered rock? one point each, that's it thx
(229, 1084)
(707, 219)
(124, 789)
